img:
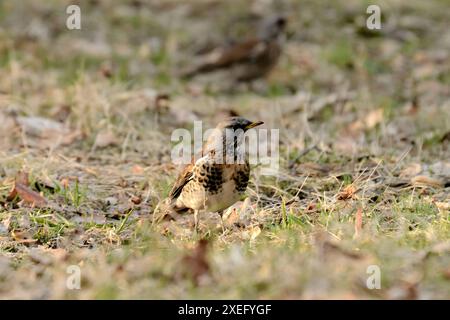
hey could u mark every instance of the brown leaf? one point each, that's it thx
(22, 178)
(137, 169)
(446, 273)
(65, 183)
(162, 101)
(45, 132)
(411, 170)
(348, 193)
(105, 139)
(442, 205)
(372, 119)
(27, 195)
(232, 216)
(136, 200)
(22, 237)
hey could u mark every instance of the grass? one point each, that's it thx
(297, 235)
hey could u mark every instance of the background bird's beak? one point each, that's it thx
(253, 124)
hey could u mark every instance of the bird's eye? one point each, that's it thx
(281, 22)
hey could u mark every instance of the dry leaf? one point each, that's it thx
(372, 119)
(47, 132)
(27, 195)
(348, 193)
(137, 169)
(105, 139)
(65, 183)
(446, 273)
(22, 178)
(136, 200)
(22, 237)
(442, 205)
(411, 170)
(231, 216)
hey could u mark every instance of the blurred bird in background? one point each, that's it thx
(249, 59)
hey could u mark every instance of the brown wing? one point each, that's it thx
(226, 57)
(185, 176)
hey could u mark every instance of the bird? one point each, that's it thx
(249, 59)
(219, 177)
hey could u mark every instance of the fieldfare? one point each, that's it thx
(220, 176)
(249, 59)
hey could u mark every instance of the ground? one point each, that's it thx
(364, 175)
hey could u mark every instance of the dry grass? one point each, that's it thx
(364, 175)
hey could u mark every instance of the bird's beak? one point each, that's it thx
(253, 124)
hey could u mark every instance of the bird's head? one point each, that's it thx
(236, 123)
(228, 135)
(273, 27)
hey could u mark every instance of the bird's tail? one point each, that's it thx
(204, 67)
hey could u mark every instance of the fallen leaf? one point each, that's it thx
(22, 237)
(22, 178)
(47, 132)
(40, 127)
(372, 119)
(442, 205)
(105, 139)
(162, 101)
(137, 169)
(348, 193)
(446, 273)
(411, 170)
(232, 216)
(65, 183)
(311, 206)
(27, 195)
(136, 200)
